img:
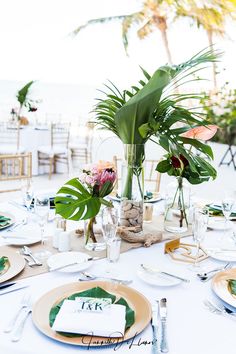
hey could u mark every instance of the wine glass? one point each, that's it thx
(200, 221)
(109, 222)
(27, 193)
(41, 208)
(227, 206)
(109, 219)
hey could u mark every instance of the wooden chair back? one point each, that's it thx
(10, 134)
(60, 134)
(15, 167)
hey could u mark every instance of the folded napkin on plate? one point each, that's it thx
(4, 221)
(108, 323)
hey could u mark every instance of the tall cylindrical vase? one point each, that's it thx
(132, 186)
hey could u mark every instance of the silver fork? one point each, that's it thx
(24, 303)
(18, 330)
(219, 309)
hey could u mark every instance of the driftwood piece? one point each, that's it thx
(141, 238)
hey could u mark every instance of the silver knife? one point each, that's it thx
(14, 287)
(156, 270)
(163, 316)
(73, 263)
(154, 330)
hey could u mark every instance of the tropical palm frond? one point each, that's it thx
(96, 21)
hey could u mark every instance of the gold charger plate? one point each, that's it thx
(221, 288)
(136, 301)
(15, 266)
(11, 222)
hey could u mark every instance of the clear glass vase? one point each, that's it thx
(132, 186)
(93, 237)
(177, 205)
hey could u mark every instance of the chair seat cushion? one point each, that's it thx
(6, 149)
(51, 151)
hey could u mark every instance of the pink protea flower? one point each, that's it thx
(107, 175)
(201, 132)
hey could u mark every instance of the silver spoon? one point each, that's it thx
(208, 275)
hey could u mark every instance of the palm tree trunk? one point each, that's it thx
(214, 68)
(166, 44)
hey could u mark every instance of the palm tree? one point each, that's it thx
(211, 16)
(153, 15)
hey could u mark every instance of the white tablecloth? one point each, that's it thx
(31, 139)
(192, 329)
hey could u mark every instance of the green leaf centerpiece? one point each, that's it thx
(99, 293)
(81, 198)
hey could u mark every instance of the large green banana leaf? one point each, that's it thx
(22, 94)
(139, 109)
(74, 202)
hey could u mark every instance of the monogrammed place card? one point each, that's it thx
(92, 304)
(110, 322)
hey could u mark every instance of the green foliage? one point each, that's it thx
(96, 293)
(75, 202)
(3, 263)
(151, 110)
(22, 94)
(232, 286)
(4, 221)
(220, 109)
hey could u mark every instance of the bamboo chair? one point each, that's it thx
(58, 151)
(10, 139)
(15, 167)
(82, 151)
(152, 178)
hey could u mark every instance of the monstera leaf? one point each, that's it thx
(75, 202)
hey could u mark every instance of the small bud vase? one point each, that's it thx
(93, 237)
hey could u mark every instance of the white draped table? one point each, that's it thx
(192, 329)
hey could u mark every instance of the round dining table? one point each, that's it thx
(191, 327)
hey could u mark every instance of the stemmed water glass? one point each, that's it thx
(41, 208)
(27, 192)
(109, 221)
(200, 221)
(227, 206)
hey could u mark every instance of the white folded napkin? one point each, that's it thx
(108, 323)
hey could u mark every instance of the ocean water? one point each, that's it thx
(65, 102)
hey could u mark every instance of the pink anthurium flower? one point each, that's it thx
(201, 132)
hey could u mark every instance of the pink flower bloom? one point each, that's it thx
(107, 175)
(201, 132)
(90, 180)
